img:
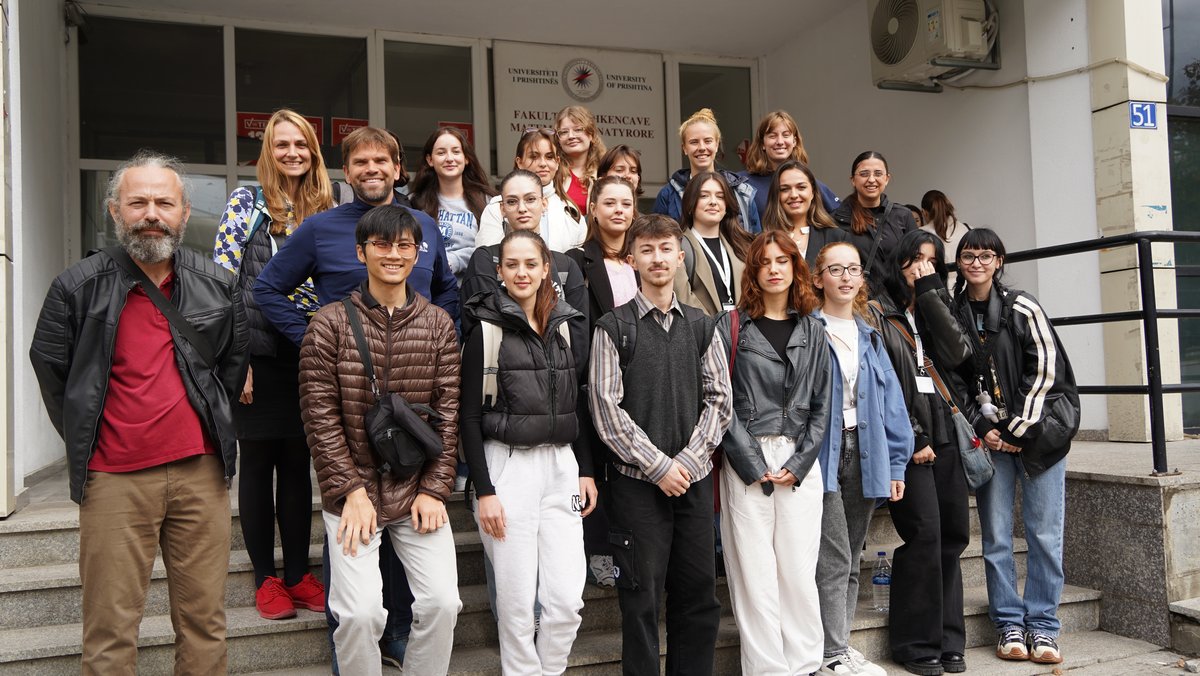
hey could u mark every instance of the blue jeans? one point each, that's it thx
(1043, 503)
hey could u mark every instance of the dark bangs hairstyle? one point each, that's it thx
(861, 218)
(800, 296)
(477, 189)
(980, 239)
(622, 152)
(593, 226)
(387, 223)
(894, 283)
(546, 297)
(776, 219)
(731, 226)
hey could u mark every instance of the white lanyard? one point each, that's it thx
(725, 271)
(924, 381)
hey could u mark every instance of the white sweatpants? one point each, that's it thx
(356, 598)
(771, 545)
(540, 558)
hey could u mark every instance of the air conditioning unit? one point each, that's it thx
(913, 41)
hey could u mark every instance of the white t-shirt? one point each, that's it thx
(843, 334)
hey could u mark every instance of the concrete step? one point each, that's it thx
(1079, 610)
(971, 562)
(1090, 653)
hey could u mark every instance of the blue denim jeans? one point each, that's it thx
(1043, 504)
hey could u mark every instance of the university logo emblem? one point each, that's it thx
(582, 80)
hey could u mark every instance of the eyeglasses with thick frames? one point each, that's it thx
(839, 270)
(383, 247)
(985, 258)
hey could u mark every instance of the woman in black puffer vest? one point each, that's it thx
(520, 434)
(257, 221)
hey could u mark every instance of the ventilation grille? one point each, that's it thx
(893, 30)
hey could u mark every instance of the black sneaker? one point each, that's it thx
(1043, 649)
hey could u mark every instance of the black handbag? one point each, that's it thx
(402, 439)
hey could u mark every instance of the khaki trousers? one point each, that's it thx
(183, 507)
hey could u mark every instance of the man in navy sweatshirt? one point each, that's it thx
(323, 248)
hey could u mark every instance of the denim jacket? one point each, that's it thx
(773, 397)
(885, 436)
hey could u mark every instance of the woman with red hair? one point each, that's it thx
(771, 490)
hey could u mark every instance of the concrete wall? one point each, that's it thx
(39, 153)
(1017, 159)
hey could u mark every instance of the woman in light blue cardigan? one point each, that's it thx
(866, 449)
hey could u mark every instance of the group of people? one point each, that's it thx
(754, 354)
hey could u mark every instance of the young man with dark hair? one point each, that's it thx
(661, 399)
(415, 353)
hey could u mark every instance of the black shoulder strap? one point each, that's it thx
(168, 309)
(622, 332)
(702, 327)
(689, 259)
(360, 341)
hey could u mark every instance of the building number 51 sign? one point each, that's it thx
(1143, 115)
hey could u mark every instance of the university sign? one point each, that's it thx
(624, 90)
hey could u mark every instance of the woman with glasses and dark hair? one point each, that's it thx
(274, 483)
(778, 140)
(926, 345)
(873, 223)
(714, 246)
(452, 188)
(700, 139)
(771, 488)
(562, 225)
(866, 448)
(794, 205)
(1026, 410)
(582, 149)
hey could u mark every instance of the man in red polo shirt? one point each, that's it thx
(142, 402)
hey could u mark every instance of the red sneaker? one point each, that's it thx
(272, 600)
(309, 593)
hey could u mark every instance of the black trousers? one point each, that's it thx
(666, 544)
(926, 609)
(284, 462)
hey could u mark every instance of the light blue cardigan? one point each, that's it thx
(885, 436)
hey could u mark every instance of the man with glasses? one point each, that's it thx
(325, 250)
(414, 350)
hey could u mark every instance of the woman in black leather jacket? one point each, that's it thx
(926, 627)
(1025, 409)
(771, 490)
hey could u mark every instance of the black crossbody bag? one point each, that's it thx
(403, 440)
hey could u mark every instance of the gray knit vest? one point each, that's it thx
(662, 383)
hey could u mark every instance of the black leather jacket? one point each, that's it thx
(776, 397)
(73, 346)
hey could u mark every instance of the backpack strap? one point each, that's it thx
(626, 338)
(689, 259)
(360, 341)
(492, 336)
(734, 328)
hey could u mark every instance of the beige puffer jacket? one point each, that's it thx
(415, 352)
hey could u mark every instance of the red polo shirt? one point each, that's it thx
(147, 419)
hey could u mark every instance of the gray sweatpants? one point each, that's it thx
(845, 517)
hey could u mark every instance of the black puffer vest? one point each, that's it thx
(256, 253)
(536, 384)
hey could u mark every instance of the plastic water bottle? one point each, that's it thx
(881, 583)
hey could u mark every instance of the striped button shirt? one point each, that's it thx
(628, 441)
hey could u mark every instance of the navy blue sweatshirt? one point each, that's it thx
(323, 248)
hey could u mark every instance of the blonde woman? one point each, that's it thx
(700, 139)
(293, 185)
(582, 150)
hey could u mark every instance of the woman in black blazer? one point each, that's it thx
(794, 205)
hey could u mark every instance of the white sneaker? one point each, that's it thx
(839, 665)
(864, 665)
(460, 483)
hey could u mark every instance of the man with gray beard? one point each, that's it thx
(138, 350)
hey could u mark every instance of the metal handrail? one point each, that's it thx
(1149, 315)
